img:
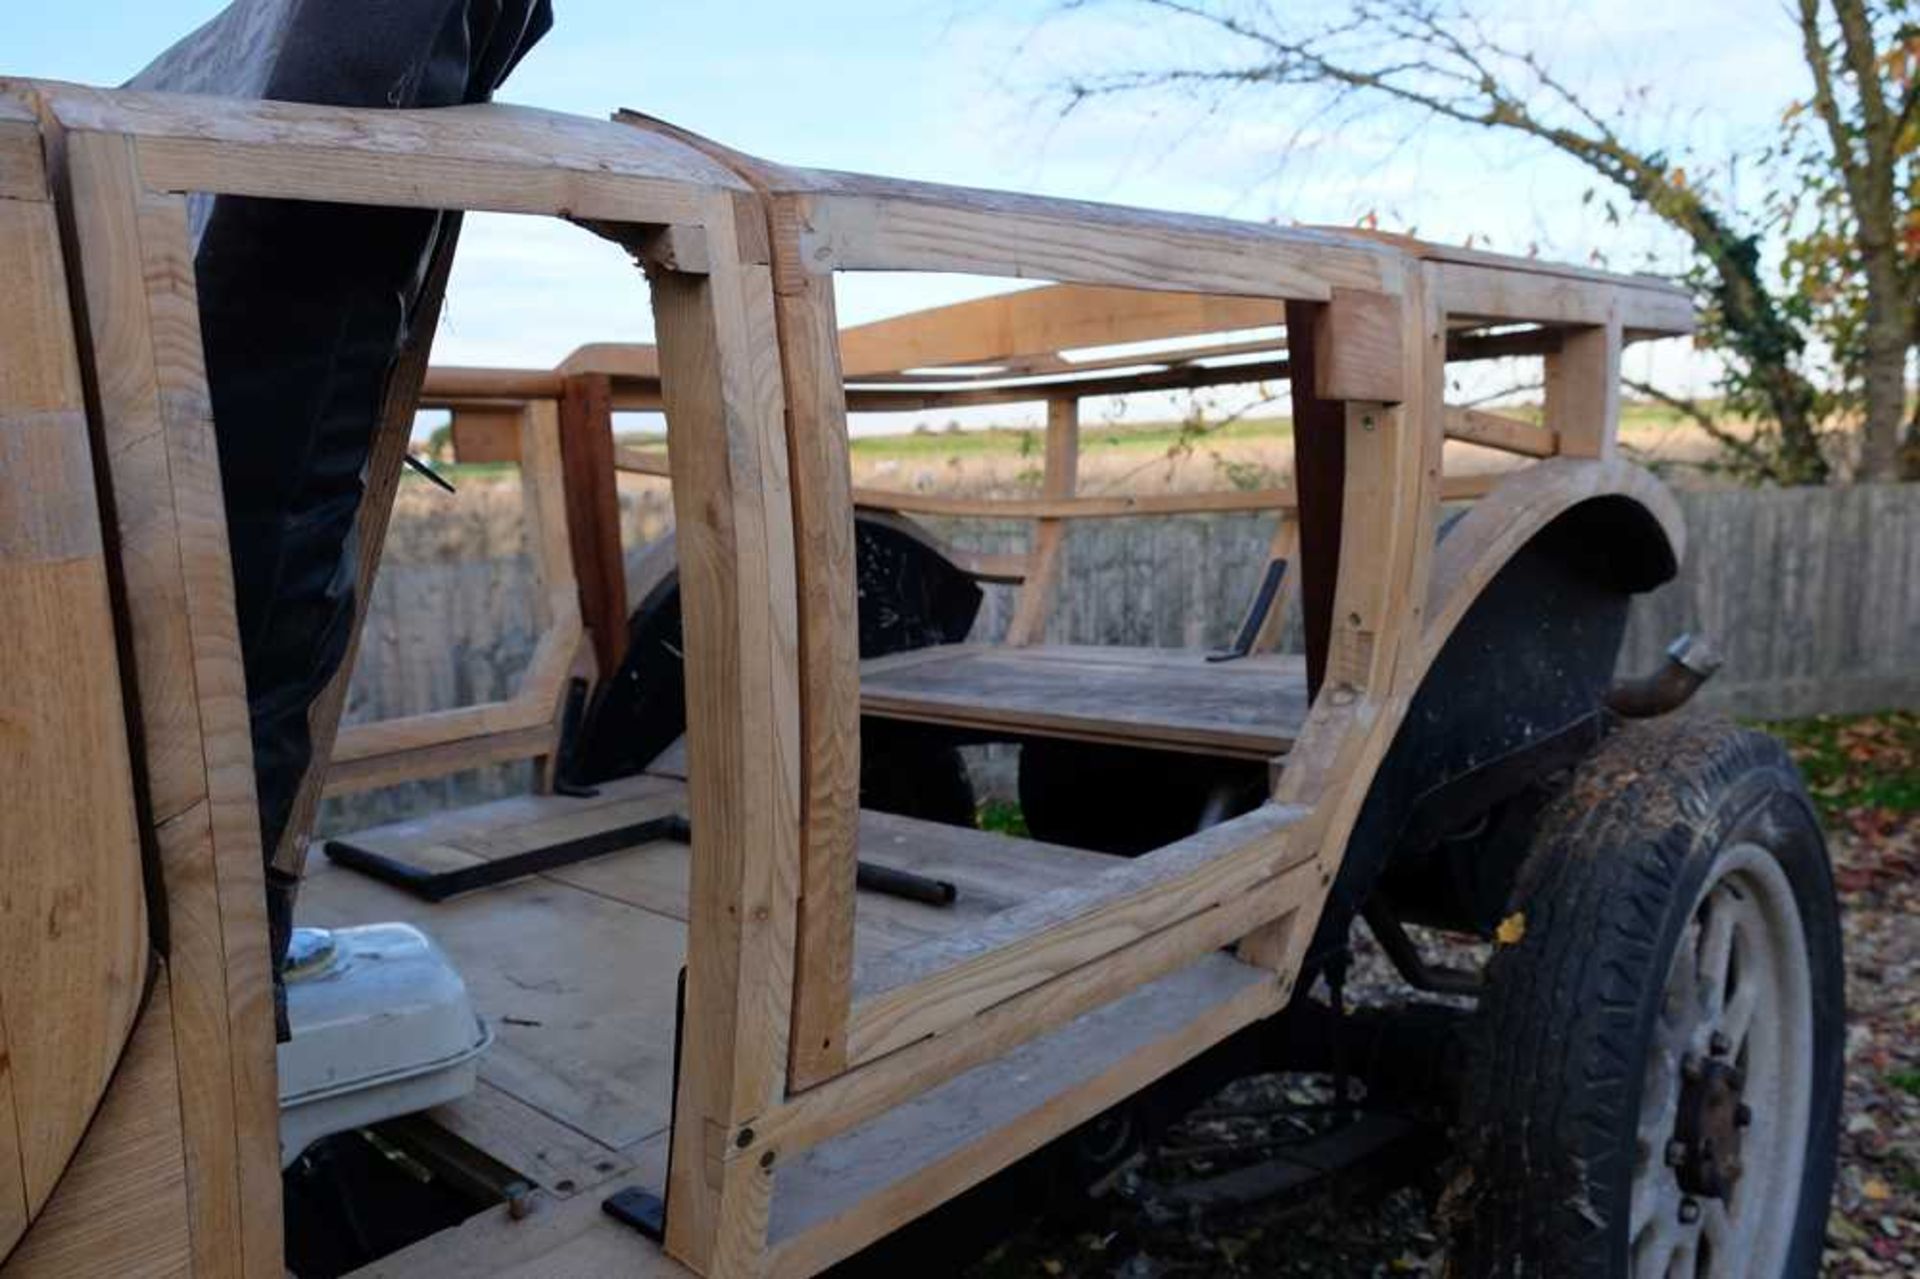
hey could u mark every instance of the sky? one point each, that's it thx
(968, 92)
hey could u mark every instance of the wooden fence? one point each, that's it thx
(1812, 595)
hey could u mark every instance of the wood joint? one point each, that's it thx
(1358, 349)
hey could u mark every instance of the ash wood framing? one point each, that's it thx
(130, 158)
(162, 473)
(74, 926)
(788, 1046)
(527, 724)
(1391, 321)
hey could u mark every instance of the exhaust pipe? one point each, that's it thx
(1691, 661)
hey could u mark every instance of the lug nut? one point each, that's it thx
(1742, 1115)
(1689, 1211)
(1676, 1153)
(1719, 1045)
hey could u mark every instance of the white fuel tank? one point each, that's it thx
(382, 1026)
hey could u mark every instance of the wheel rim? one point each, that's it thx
(1724, 1107)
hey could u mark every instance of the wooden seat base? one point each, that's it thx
(576, 970)
(1172, 699)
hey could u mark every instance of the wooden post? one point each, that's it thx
(808, 332)
(720, 381)
(73, 913)
(162, 470)
(1061, 477)
(593, 514)
(1583, 390)
(1319, 483)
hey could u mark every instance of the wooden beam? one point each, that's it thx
(1319, 470)
(807, 331)
(1583, 391)
(1356, 348)
(1059, 479)
(1494, 431)
(934, 986)
(1185, 377)
(593, 515)
(870, 223)
(156, 433)
(1043, 322)
(123, 1205)
(734, 530)
(445, 385)
(494, 157)
(74, 926)
(486, 433)
(1104, 507)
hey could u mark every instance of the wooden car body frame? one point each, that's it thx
(782, 1051)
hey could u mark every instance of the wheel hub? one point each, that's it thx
(1707, 1130)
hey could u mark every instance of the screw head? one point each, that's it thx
(743, 1138)
(1719, 1045)
(1689, 1211)
(1676, 1153)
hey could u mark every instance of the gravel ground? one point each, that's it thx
(1356, 1227)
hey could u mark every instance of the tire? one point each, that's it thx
(1606, 1124)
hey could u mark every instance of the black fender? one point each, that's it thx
(1513, 691)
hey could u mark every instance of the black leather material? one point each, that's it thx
(304, 311)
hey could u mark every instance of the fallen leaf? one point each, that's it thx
(1876, 1189)
(1512, 929)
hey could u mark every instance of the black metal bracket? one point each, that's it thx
(436, 886)
(637, 1206)
(1257, 615)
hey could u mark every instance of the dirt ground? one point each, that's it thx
(1865, 775)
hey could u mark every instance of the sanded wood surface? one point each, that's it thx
(155, 434)
(1251, 707)
(121, 1207)
(846, 1192)
(73, 919)
(576, 968)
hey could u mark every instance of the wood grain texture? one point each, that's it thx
(734, 536)
(807, 332)
(1060, 478)
(936, 986)
(1176, 699)
(839, 1104)
(852, 1190)
(162, 468)
(1496, 431)
(22, 175)
(73, 916)
(1583, 390)
(121, 1208)
(494, 157)
(1044, 321)
(593, 514)
(1356, 350)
